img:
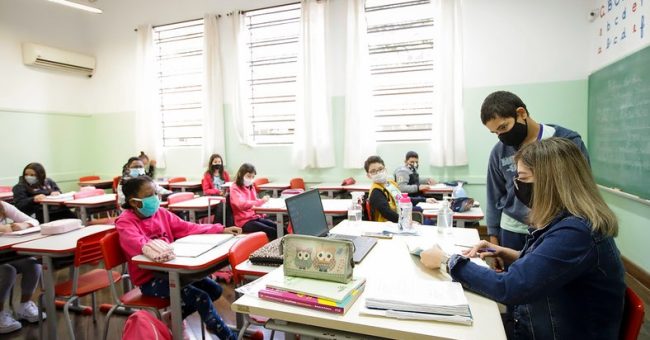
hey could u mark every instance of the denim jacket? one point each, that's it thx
(566, 284)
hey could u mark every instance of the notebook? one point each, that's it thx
(198, 244)
(308, 218)
(23, 232)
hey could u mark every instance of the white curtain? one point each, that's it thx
(213, 118)
(147, 114)
(359, 135)
(447, 147)
(313, 145)
(236, 96)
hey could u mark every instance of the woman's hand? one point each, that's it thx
(55, 193)
(20, 226)
(38, 198)
(232, 230)
(484, 250)
(432, 200)
(266, 198)
(5, 228)
(432, 257)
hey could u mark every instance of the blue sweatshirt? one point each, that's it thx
(500, 181)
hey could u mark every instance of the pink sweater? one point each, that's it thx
(242, 201)
(135, 232)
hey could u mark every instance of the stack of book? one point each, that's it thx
(418, 300)
(328, 296)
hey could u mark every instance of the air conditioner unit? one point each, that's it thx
(54, 58)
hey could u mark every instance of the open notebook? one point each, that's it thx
(198, 244)
(23, 232)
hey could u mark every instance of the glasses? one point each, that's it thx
(376, 171)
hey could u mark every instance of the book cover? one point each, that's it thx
(319, 288)
(312, 302)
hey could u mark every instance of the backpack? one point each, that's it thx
(142, 325)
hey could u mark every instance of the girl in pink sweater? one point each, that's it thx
(143, 221)
(243, 198)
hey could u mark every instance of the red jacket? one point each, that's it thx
(242, 201)
(208, 185)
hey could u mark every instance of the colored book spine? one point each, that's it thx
(310, 301)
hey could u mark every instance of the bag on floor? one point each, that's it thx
(142, 325)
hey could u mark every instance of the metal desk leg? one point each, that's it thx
(192, 216)
(175, 304)
(46, 213)
(280, 224)
(330, 193)
(330, 221)
(460, 223)
(84, 215)
(50, 308)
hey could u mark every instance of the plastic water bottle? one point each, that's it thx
(445, 218)
(354, 212)
(459, 191)
(405, 222)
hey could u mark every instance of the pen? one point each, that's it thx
(489, 250)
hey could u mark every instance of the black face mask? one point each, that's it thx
(516, 135)
(524, 192)
(217, 167)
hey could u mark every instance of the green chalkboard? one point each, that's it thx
(619, 124)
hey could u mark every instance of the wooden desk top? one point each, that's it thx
(330, 206)
(431, 210)
(97, 183)
(92, 201)
(7, 242)
(6, 196)
(274, 186)
(197, 203)
(60, 244)
(390, 260)
(186, 184)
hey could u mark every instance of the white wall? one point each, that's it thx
(523, 42)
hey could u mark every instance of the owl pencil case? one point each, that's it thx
(318, 258)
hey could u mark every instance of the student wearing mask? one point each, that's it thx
(12, 219)
(243, 197)
(384, 192)
(505, 114)
(407, 177)
(33, 186)
(134, 167)
(568, 281)
(143, 221)
(149, 165)
(215, 176)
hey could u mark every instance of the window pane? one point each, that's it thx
(179, 52)
(272, 67)
(400, 42)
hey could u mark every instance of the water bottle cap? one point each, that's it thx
(405, 199)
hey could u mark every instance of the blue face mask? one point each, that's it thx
(135, 172)
(149, 205)
(31, 180)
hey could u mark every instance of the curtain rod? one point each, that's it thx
(177, 22)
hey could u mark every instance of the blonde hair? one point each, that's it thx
(563, 182)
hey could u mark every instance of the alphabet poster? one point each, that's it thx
(621, 24)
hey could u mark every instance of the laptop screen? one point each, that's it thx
(306, 214)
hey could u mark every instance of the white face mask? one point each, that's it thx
(248, 182)
(380, 177)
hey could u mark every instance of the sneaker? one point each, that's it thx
(28, 311)
(7, 323)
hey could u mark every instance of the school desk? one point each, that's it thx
(52, 200)
(98, 183)
(99, 201)
(7, 196)
(474, 214)
(51, 248)
(331, 207)
(275, 187)
(202, 203)
(6, 242)
(388, 260)
(197, 267)
(186, 186)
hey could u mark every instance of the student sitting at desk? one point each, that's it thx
(243, 197)
(149, 165)
(12, 219)
(134, 167)
(407, 177)
(33, 186)
(215, 177)
(143, 221)
(567, 282)
(384, 191)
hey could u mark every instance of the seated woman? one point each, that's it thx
(215, 176)
(384, 192)
(243, 197)
(12, 219)
(567, 281)
(134, 167)
(143, 221)
(33, 186)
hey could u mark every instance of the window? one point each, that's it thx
(400, 39)
(272, 66)
(179, 56)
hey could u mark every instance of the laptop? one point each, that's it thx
(308, 218)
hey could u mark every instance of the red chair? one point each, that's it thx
(88, 193)
(4, 188)
(88, 252)
(238, 253)
(116, 182)
(297, 183)
(260, 181)
(179, 197)
(633, 314)
(369, 211)
(88, 178)
(114, 257)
